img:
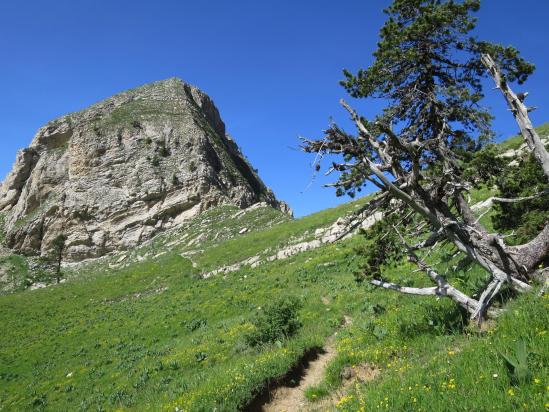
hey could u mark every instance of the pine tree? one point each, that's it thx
(58, 249)
(429, 69)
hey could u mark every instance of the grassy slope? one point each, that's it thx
(456, 371)
(152, 336)
(516, 141)
(129, 338)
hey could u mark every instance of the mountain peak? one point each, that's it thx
(113, 175)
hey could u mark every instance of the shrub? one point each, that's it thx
(521, 178)
(517, 363)
(277, 321)
(164, 151)
(200, 356)
(526, 218)
(372, 309)
(195, 324)
(382, 245)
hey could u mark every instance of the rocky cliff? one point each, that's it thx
(112, 176)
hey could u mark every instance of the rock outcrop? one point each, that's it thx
(112, 176)
(343, 228)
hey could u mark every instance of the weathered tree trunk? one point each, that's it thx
(530, 255)
(520, 112)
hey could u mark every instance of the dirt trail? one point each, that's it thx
(290, 395)
(292, 398)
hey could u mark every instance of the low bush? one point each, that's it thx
(275, 322)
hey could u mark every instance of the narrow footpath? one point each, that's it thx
(292, 398)
(289, 396)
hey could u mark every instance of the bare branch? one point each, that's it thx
(433, 239)
(404, 289)
(395, 140)
(400, 194)
(520, 199)
(361, 128)
(477, 309)
(489, 292)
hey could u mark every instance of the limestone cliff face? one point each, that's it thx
(114, 175)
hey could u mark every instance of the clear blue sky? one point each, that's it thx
(272, 67)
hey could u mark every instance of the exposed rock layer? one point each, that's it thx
(112, 176)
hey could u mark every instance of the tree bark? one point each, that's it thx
(520, 112)
(532, 254)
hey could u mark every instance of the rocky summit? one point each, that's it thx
(112, 176)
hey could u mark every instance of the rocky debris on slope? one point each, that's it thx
(191, 238)
(112, 176)
(4, 252)
(343, 228)
(514, 154)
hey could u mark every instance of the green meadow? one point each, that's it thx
(143, 331)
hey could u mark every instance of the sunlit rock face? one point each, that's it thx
(112, 176)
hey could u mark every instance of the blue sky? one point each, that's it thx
(272, 67)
